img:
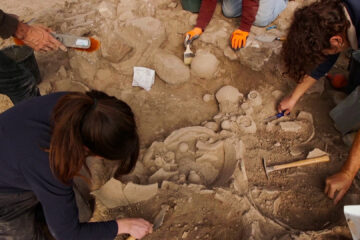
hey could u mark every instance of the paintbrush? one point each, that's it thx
(188, 55)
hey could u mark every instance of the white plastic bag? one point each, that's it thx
(143, 77)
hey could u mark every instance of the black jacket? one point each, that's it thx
(8, 25)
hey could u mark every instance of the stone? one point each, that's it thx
(228, 98)
(254, 98)
(254, 58)
(212, 125)
(172, 5)
(226, 125)
(246, 106)
(62, 72)
(305, 116)
(138, 193)
(107, 10)
(290, 126)
(68, 85)
(217, 33)
(194, 177)
(204, 64)
(103, 78)
(208, 97)
(246, 124)
(316, 152)
(183, 147)
(170, 68)
(85, 68)
(126, 15)
(161, 175)
(114, 48)
(230, 54)
(270, 126)
(111, 194)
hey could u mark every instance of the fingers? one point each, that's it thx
(339, 196)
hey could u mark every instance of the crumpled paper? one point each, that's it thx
(143, 77)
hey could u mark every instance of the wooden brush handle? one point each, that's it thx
(309, 161)
(131, 238)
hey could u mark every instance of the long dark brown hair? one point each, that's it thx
(95, 122)
(310, 33)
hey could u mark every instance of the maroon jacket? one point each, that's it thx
(249, 11)
(8, 25)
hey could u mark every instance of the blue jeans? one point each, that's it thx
(267, 12)
(18, 78)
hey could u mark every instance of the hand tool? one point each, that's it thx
(188, 54)
(271, 27)
(158, 220)
(78, 43)
(269, 169)
(272, 118)
(269, 38)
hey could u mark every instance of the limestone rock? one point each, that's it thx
(212, 125)
(217, 33)
(204, 64)
(138, 193)
(228, 98)
(230, 54)
(316, 152)
(246, 124)
(151, 29)
(85, 68)
(246, 106)
(114, 48)
(161, 175)
(111, 194)
(254, 58)
(305, 116)
(254, 98)
(208, 97)
(107, 10)
(68, 85)
(183, 147)
(170, 68)
(290, 126)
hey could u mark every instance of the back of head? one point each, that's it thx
(310, 33)
(92, 123)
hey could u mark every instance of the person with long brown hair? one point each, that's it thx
(317, 35)
(44, 143)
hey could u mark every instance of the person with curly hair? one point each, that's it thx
(318, 34)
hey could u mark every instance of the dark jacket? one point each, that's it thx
(8, 25)
(353, 8)
(25, 133)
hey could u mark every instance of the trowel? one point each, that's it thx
(269, 38)
(158, 220)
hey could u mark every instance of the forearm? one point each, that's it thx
(302, 87)
(249, 11)
(206, 12)
(352, 164)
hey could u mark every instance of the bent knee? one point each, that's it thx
(229, 12)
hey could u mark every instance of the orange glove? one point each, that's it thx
(192, 35)
(238, 39)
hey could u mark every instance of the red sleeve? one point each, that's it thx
(207, 9)
(249, 11)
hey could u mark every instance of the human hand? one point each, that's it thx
(192, 35)
(136, 227)
(38, 37)
(340, 183)
(238, 39)
(287, 105)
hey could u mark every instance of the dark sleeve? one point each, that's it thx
(60, 210)
(8, 25)
(207, 9)
(324, 67)
(249, 11)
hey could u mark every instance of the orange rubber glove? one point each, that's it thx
(192, 35)
(238, 39)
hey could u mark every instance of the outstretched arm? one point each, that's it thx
(288, 103)
(338, 184)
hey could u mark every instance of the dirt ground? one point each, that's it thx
(247, 205)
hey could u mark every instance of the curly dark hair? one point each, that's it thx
(309, 34)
